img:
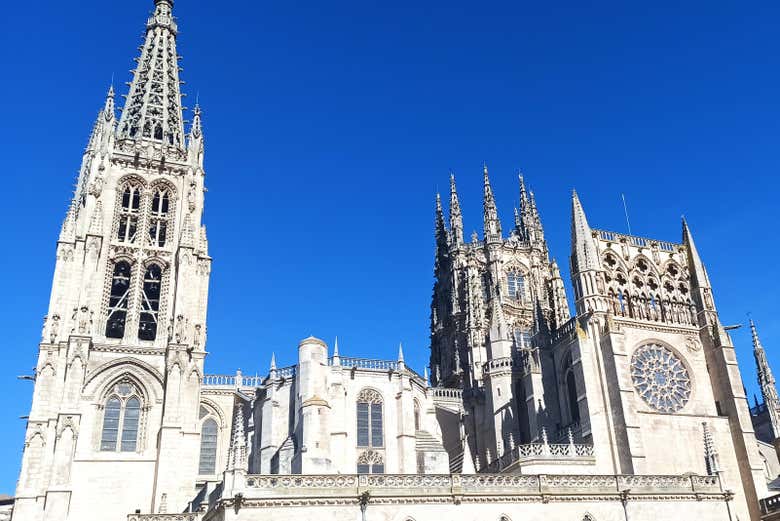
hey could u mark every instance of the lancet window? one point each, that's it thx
(121, 418)
(118, 300)
(209, 433)
(129, 212)
(370, 432)
(159, 218)
(150, 303)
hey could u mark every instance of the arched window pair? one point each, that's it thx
(120, 294)
(515, 285)
(121, 417)
(370, 432)
(207, 464)
(130, 215)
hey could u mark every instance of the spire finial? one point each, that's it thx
(400, 352)
(273, 361)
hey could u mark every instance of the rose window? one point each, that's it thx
(660, 378)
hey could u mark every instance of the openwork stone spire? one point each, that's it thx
(766, 381)
(153, 111)
(492, 223)
(456, 218)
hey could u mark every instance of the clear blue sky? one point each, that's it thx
(330, 126)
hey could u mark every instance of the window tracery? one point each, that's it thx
(159, 216)
(660, 378)
(370, 431)
(370, 462)
(121, 419)
(119, 299)
(129, 213)
(150, 303)
(515, 285)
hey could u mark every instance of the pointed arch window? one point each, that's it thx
(118, 300)
(370, 432)
(129, 211)
(208, 443)
(159, 219)
(121, 419)
(515, 285)
(150, 303)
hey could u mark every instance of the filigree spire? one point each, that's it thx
(492, 229)
(766, 381)
(153, 110)
(456, 217)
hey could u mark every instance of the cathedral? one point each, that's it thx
(626, 404)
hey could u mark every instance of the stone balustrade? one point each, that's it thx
(477, 485)
(195, 516)
(641, 242)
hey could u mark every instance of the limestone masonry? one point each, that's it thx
(632, 408)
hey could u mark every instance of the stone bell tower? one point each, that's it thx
(120, 361)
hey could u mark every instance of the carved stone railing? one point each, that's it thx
(477, 485)
(194, 516)
(642, 242)
(562, 452)
(286, 372)
(447, 393)
(224, 380)
(230, 380)
(565, 330)
(367, 363)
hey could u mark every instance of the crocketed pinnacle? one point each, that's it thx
(441, 227)
(237, 452)
(153, 111)
(492, 228)
(456, 217)
(584, 255)
(696, 265)
(766, 379)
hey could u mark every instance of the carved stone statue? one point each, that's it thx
(54, 328)
(82, 321)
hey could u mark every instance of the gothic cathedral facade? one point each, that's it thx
(632, 407)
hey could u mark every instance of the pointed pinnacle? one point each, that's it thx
(273, 361)
(336, 347)
(400, 352)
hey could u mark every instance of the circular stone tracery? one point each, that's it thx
(660, 378)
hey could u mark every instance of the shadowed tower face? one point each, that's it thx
(118, 372)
